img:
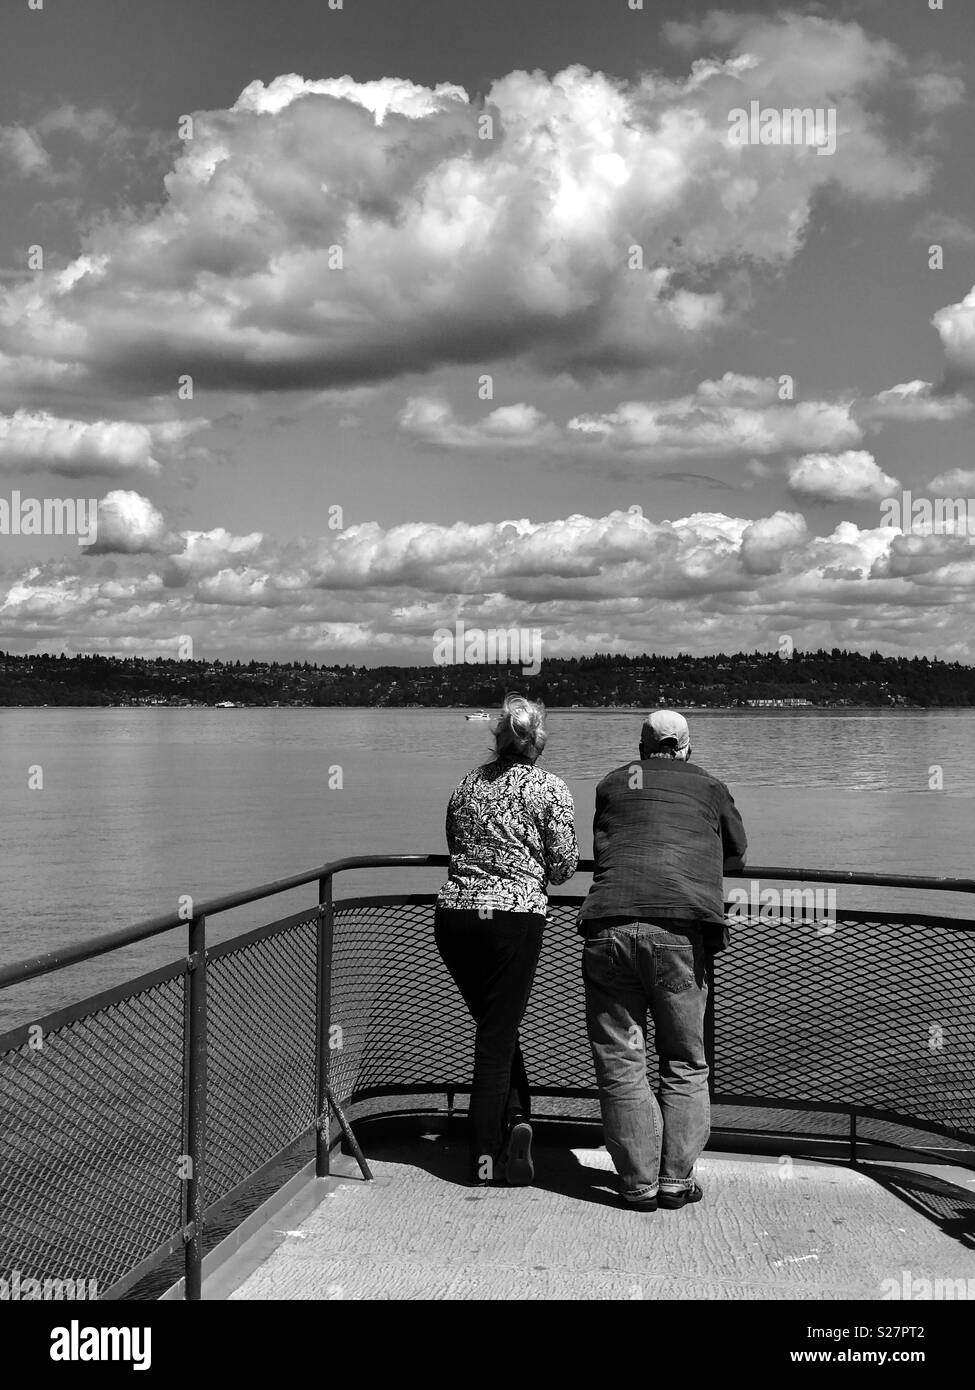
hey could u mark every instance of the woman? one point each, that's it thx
(510, 831)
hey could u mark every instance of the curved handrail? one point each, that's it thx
(21, 971)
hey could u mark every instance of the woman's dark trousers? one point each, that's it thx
(492, 961)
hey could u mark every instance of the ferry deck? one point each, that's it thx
(282, 1115)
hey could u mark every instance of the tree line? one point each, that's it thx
(823, 678)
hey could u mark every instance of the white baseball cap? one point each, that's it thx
(664, 724)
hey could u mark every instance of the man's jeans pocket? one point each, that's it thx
(674, 968)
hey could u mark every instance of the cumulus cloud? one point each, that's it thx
(204, 555)
(914, 400)
(956, 328)
(954, 481)
(766, 542)
(946, 559)
(736, 416)
(39, 441)
(432, 420)
(128, 524)
(852, 476)
(454, 247)
(704, 581)
(733, 389)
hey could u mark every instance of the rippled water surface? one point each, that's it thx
(139, 806)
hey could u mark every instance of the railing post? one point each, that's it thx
(195, 1082)
(709, 1025)
(853, 1136)
(323, 1018)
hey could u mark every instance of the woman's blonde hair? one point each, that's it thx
(521, 728)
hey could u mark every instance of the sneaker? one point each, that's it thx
(644, 1203)
(519, 1169)
(682, 1197)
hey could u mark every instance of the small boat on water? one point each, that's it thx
(480, 715)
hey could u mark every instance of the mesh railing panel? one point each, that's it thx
(876, 1015)
(403, 1022)
(870, 1016)
(866, 1014)
(91, 1123)
(261, 1054)
(90, 1141)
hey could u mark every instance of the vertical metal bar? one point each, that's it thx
(451, 1092)
(323, 1012)
(853, 1136)
(709, 1024)
(195, 1044)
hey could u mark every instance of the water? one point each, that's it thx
(140, 806)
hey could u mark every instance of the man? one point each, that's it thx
(663, 834)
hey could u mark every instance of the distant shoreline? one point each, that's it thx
(756, 680)
(552, 709)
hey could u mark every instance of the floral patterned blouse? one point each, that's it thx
(510, 830)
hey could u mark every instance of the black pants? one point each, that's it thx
(492, 961)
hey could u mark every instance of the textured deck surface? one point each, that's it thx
(768, 1229)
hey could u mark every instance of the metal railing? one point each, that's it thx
(130, 1121)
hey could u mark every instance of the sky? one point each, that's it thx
(360, 322)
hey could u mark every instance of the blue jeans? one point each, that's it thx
(629, 969)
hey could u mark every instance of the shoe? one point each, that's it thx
(644, 1204)
(519, 1168)
(683, 1197)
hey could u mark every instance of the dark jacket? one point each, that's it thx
(661, 835)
